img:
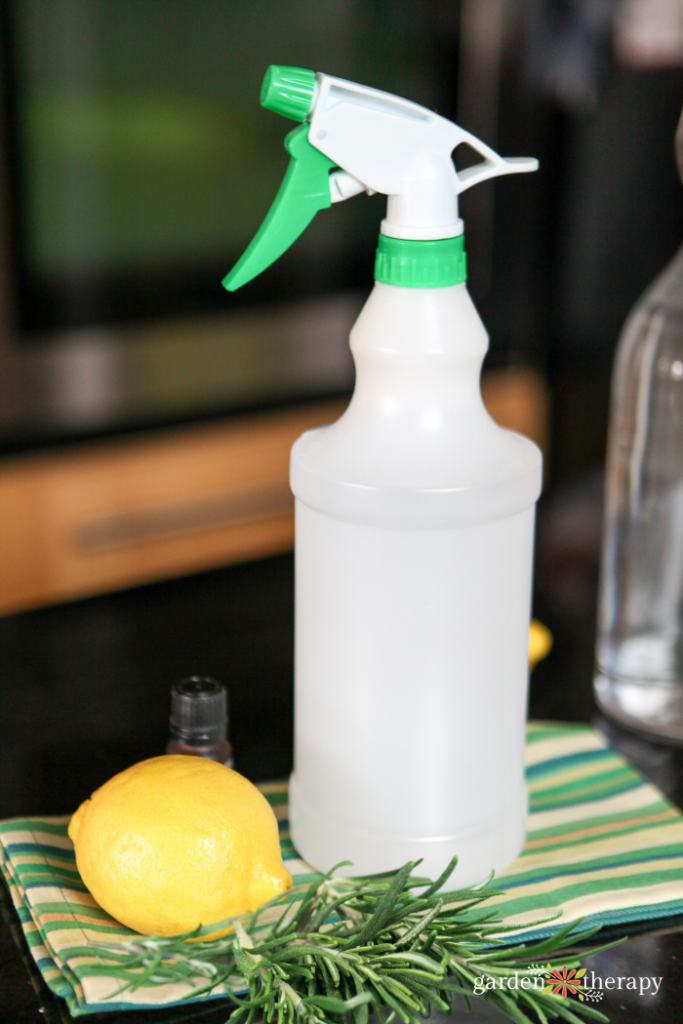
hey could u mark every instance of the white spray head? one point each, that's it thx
(356, 139)
(390, 145)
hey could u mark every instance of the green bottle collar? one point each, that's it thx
(411, 263)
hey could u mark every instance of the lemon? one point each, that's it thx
(178, 841)
(540, 642)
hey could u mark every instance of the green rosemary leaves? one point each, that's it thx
(343, 948)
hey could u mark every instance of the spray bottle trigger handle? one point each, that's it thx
(305, 189)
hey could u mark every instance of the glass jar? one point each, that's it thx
(639, 676)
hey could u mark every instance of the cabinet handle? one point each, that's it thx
(246, 503)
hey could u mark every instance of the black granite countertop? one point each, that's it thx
(84, 691)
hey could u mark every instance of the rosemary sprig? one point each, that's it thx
(343, 948)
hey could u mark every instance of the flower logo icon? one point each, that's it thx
(563, 982)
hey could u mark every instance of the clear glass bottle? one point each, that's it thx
(639, 676)
(199, 720)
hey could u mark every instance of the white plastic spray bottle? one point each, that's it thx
(414, 515)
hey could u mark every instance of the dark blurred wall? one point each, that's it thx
(594, 89)
(621, 222)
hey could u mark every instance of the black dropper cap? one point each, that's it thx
(199, 711)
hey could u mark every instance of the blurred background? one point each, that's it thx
(146, 414)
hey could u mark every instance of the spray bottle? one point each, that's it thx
(414, 515)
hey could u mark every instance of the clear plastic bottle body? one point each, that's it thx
(639, 677)
(414, 542)
(411, 682)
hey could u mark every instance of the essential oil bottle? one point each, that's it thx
(199, 720)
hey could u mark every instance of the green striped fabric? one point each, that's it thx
(602, 844)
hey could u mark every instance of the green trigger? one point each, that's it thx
(304, 190)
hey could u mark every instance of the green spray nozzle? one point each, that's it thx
(306, 185)
(288, 91)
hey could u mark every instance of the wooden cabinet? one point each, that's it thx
(114, 514)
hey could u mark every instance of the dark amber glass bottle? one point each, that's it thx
(199, 720)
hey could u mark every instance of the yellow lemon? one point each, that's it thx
(540, 642)
(178, 841)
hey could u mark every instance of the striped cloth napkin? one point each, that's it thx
(602, 844)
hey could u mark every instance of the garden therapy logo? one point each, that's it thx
(565, 982)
